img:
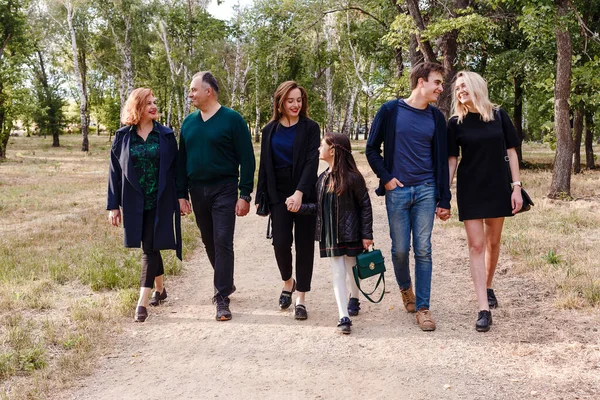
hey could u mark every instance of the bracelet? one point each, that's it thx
(516, 183)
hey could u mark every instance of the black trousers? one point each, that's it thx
(288, 228)
(152, 263)
(214, 208)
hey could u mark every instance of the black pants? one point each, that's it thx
(152, 263)
(288, 227)
(214, 208)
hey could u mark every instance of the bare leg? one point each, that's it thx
(300, 298)
(476, 243)
(493, 232)
(158, 283)
(144, 293)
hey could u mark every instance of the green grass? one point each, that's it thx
(65, 277)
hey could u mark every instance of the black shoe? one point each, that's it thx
(484, 320)
(285, 299)
(222, 303)
(345, 326)
(353, 306)
(492, 301)
(158, 298)
(140, 314)
(300, 312)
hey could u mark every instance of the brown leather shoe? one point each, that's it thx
(425, 320)
(140, 314)
(408, 298)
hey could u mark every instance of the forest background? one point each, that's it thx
(67, 66)
(540, 57)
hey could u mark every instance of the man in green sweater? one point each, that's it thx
(215, 149)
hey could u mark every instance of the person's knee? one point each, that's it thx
(476, 248)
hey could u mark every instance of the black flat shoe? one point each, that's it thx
(158, 298)
(353, 306)
(140, 314)
(300, 312)
(492, 301)
(484, 320)
(285, 299)
(345, 326)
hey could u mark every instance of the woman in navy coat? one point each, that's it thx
(141, 182)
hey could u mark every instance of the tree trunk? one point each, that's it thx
(561, 174)
(518, 115)
(589, 141)
(347, 124)
(416, 57)
(172, 69)
(577, 135)
(328, 32)
(257, 109)
(424, 45)
(449, 50)
(80, 77)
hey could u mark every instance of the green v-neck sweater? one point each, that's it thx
(215, 151)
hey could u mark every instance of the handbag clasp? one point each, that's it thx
(372, 266)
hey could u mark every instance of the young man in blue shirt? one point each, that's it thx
(413, 176)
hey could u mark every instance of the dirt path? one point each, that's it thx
(532, 351)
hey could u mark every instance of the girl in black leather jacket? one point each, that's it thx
(344, 220)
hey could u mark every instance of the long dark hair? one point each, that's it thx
(281, 94)
(344, 173)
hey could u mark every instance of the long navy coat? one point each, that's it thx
(124, 191)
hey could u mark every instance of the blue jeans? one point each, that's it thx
(412, 209)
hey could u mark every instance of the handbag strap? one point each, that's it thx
(367, 295)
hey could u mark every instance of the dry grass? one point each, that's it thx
(557, 241)
(65, 278)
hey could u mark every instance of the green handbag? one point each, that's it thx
(368, 264)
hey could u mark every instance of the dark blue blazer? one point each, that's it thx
(124, 191)
(383, 130)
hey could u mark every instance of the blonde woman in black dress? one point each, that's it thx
(483, 134)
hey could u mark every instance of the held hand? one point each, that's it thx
(242, 207)
(184, 207)
(516, 200)
(114, 216)
(393, 184)
(442, 213)
(294, 202)
(367, 243)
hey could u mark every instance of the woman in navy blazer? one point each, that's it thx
(141, 182)
(289, 160)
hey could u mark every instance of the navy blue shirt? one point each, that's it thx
(282, 145)
(413, 146)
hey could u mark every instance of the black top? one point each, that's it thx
(329, 245)
(483, 179)
(145, 155)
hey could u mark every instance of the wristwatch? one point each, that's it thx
(516, 183)
(248, 199)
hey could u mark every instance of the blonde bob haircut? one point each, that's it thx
(134, 106)
(478, 89)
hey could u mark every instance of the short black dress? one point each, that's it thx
(483, 177)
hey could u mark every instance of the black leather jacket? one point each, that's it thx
(354, 212)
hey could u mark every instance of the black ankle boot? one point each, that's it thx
(484, 320)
